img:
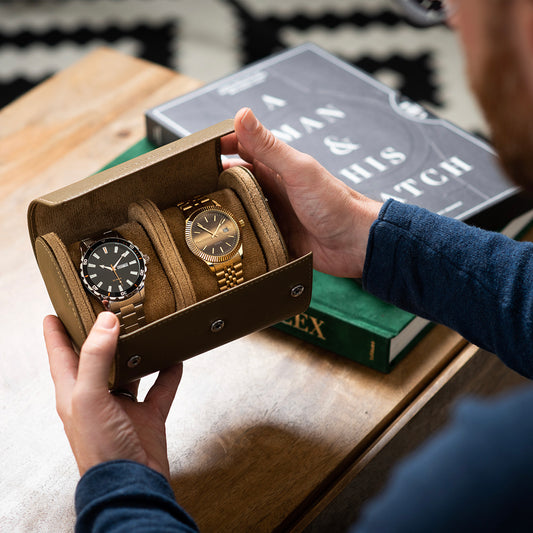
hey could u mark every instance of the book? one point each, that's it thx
(349, 321)
(378, 142)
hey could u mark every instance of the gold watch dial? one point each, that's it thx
(213, 234)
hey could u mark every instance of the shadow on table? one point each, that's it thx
(246, 480)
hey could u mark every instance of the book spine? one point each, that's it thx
(341, 337)
(156, 133)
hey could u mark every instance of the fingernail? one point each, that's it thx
(106, 320)
(249, 121)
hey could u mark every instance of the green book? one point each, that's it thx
(342, 316)
(349, 321)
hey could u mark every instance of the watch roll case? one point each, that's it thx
(186, 314)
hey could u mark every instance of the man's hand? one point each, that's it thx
(100, 426)
(315, 211)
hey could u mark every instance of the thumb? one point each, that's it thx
(260, 144)
(97, 351)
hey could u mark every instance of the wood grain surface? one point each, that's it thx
(261, 429)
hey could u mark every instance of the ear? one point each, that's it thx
(522, 24)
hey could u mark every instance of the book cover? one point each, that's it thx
(376, 141)
(366, 134)
(347, 320)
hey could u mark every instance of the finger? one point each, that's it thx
(235, 162)
(97, 352)
(260, 143)
(62, 358)
(228, 144)
(162, 393)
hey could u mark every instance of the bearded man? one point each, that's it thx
(477, 475)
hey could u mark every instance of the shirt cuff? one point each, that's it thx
(112, 489)
(379, 268)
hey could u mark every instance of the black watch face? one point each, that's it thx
(213, 234)
(113, 268)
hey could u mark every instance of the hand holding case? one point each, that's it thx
(152, 184)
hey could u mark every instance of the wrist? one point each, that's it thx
(365, 212)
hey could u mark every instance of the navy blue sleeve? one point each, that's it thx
(474, 476)
(124, 496)
(476, 282)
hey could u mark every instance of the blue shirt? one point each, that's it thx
(477, 474)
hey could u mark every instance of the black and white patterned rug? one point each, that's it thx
(208, 39)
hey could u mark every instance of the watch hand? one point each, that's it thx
(115, 272)
(205, 229)
(106, 267)
(218, 227)
(119, 259)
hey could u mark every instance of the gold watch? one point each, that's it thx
(213, 235)
(113, 270)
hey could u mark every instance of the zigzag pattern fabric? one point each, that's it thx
(209, 39)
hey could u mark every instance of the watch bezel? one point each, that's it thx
(104, 295)
(208, 258)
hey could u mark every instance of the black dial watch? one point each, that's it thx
(114, 270)
(213, 234)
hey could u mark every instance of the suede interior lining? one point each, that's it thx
(176, 278)
(64, 285)
(243, 182)
(148, 215)
(166, 175)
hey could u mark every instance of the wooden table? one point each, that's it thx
(266, 433)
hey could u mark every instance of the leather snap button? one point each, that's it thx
(217, 326)
(297, 291)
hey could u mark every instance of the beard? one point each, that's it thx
(502, 92)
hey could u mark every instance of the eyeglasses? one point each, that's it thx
(425, 12)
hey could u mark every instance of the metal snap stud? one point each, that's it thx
(134, 360)
(217, 326)
(297, 291)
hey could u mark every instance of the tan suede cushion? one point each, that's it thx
(149, 216)
(243, 182)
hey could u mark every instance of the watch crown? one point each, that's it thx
(146, 258)
(241, 223)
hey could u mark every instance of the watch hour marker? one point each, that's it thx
(93, 276)
(132, 263)
(104, 249)
(96, 256)
(116, 249)
(120, 288)
(129, 282)
(100, 284)
(109, 289)
(91, 265)
(133, 273)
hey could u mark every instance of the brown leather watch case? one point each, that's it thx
(186, 313)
